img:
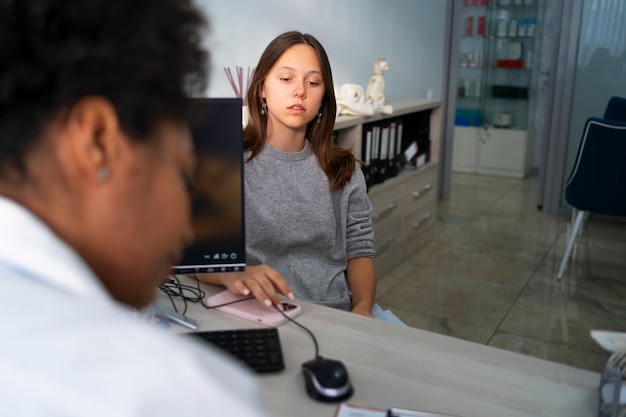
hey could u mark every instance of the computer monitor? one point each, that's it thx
(217, 191)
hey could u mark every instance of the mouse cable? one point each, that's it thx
(277, 309)
(317, 350)
(174, 288)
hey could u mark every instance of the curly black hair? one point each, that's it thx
(144, 56)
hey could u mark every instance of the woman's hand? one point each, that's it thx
(262, 281)
(362, 310)
(361, 276)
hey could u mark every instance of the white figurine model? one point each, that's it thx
(376, 88)
(351, 100)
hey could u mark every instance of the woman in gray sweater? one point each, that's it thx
(308, 231)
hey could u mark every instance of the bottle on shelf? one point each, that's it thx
(530, 27)
(512, 28)
(480, 26)
(469, 26)
(502, 23)
(521, 28)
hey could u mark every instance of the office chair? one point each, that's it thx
(597, 183)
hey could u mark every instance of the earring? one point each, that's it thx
(319, 117)
(103, 173)
(263, 108)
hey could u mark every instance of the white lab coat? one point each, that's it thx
(68, 349)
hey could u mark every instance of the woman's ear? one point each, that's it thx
(93, 138)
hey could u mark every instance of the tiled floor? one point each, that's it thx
(489, 276)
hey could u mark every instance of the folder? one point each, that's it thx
(366, 152)
(384, 153)
(393, 170)
(399, 160)
(375, 154)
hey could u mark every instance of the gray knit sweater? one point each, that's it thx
(298, 227)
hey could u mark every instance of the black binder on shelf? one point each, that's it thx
(399, 160)
(391, 162)
(384, 153)
(366, 157)
(382, 149)
(375, 154)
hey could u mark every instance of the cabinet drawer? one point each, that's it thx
(419, 220)
(386, 205)
(388, 236)
(421, 189)
(421, 239)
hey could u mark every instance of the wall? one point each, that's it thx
(410, 34)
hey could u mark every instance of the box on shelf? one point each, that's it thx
(468, 117)
(509, 91)
(510, 63)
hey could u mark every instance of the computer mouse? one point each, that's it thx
(326, 380)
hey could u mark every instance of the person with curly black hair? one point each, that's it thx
(95, 158)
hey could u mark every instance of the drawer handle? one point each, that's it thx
(416, 225)
(385, 245)
(420, 193)
(385, 212)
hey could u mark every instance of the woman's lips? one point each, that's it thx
(297, 108)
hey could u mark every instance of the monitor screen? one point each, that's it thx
(217, 190)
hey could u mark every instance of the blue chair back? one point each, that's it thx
(616, 109)
(597, 182)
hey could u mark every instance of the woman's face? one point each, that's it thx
(294, 88)
(147, 221)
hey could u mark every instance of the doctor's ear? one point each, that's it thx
(93, 137)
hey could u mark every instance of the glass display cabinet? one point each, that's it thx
(495, 79)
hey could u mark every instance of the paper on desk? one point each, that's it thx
(351, 410)
(610, 341)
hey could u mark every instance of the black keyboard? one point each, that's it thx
(257, 348)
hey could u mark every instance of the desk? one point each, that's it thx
(391, 365)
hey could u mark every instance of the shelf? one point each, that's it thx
(400, 107)
(409, 198)
(507, 98)
(496, 5)
(509, 38)
(509, 68)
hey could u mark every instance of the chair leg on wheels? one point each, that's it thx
(570, 243)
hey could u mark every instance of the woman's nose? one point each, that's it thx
(300, 91)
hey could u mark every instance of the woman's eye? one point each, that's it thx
(285, 78)
(313, 83)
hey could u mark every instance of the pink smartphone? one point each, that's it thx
(251, 309)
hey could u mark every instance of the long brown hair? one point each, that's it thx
(338, 163)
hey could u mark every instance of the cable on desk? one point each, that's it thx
(307, 330)
(174, 288)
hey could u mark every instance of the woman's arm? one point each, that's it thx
(361, 276)
(360, 273)
(261, 281)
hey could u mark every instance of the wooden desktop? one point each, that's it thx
(395, 366)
